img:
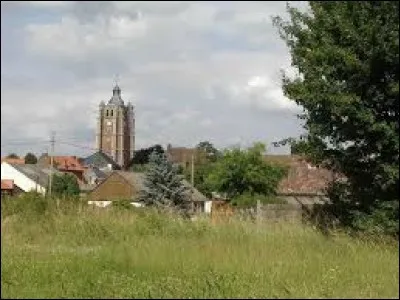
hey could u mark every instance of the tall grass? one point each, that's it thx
(73, 251)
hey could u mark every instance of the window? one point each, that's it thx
(112, 113)
(107, 113)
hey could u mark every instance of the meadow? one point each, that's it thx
(74, 251)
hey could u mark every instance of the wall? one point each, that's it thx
(304, 199)
(115, 187)
(25, 183)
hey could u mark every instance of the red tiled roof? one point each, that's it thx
(302, 178)
(68, 163)
(64, 163)
(19, 161)
(7, 184)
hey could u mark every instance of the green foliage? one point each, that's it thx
(122, 204)
(164, 186)
(347, 57)
(30, 204)
(249, 200)
(141, 156)
(118, 254)
(240, 171)
(65, 185)
(139, 168)
(206, 155)
(30, 158)
(12, 155)
(201, 171)
(210, 151)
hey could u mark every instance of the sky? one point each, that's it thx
(194, 71)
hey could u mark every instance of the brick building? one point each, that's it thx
(116, 129)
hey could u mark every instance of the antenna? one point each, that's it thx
(116, 79)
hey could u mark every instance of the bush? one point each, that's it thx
(34, 205)
(27, 205)
(122, 204)
(245, 171)
(248, 200)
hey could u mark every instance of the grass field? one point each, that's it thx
(103, 253)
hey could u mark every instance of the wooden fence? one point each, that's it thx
(274, 212)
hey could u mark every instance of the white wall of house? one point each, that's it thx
(100, 203)
(20, 179)
(108, 203)
(207, 207)
(137, 204)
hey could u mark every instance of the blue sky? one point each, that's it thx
(194, 71)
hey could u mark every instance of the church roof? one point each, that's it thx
(116, 97)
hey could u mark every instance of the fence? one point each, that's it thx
(274, 212)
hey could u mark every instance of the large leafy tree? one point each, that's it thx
(206, 147)
(164, 186)
(245, 171)
(65, 185)
(142, 156)
(206, 156)
(347, 58)
(12, 155)
(30, 158)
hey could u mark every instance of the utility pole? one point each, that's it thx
(52, 142)
(192, 177)
(192, 181)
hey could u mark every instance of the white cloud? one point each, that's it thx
(73, 40)
(50, 3)
(194, 70)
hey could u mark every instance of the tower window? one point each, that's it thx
(107, 113)
(111, 113)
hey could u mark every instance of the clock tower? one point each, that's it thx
(116, 129)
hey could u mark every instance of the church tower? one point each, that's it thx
(116, 129)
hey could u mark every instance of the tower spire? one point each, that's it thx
(116, 79)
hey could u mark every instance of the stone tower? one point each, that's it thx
(116, 129)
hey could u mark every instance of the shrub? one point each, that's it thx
(249, 200)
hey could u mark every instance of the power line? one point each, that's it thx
(86, 147)
(24, 143)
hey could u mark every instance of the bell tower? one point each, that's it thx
(116, 128)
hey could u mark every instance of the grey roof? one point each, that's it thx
(85, 187)
(100, 160)
(137, 179)
(96, 172)
(36, 172)
(116, 97)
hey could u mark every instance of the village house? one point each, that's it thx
(100, 161)
(66, 164)
(19, 161)
(8, 188)
(304, 184)
(122, 185)
(27, 177)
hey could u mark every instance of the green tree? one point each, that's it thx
(245, 171)
(208, 148)
(12, 155)
(65, 185)
(347, 58)
(206, 155)
(30, 158)
(164, 186)
(141, 156)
